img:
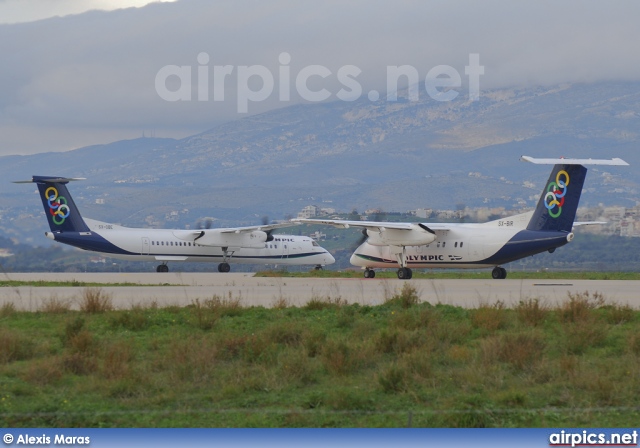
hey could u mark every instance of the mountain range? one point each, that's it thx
(393, 155)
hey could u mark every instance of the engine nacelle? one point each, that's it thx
(250, 240)
(417, 236)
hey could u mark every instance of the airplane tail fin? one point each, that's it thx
(61, 211)
(558, 204)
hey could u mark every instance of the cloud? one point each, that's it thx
(95, 73)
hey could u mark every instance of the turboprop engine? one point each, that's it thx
(416, 236)
(254, 239)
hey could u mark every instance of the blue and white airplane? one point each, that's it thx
(250, 245)
(461, 245)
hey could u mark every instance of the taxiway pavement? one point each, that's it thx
(183, 289)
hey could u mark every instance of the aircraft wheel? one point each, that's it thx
(369, 273)
(162, 268)
(404, 273)
(499, 273)
(224, 267)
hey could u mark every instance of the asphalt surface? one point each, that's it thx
(183, 289)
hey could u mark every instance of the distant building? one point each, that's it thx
(310, 211)
(318, 236)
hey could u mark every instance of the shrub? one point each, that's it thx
(580, 336)
(406, 298)
(521, 351)
(54, 305)
(95, 300)
(393, 379)
(133, 320)
(14, 347)
(295, 365)
(116, 360)
(229, 306)
(71, 329)
(317, 303)
(490, 318)
(532, 311)
(7, 309)
(206, 315)
(579, 306)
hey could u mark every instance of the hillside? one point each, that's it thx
(393, 155)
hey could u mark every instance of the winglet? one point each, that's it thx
(561, 161)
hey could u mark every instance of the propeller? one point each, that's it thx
(360, 240)
(205, 223)
(265, 221)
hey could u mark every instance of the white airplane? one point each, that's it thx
(461, 245)
(252, 245)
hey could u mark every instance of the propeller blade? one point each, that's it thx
(360, 240)
(204, 223)
(265, 221)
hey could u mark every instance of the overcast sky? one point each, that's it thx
(72, 76)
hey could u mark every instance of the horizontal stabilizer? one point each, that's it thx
(48, 179)
(588, 223)
(562, 161)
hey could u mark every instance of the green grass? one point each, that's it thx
(452, 274)
(216, 363)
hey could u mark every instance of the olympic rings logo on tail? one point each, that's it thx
(57, 206)
(556, 191)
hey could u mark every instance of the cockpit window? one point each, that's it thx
(314, 243)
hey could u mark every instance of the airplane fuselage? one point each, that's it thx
(166, 245)
(468, 246)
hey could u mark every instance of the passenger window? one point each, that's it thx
(455, 244)
(443, 243)
(461, 244)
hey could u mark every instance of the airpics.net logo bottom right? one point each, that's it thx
(256, 83)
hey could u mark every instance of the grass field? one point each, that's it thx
(216, 363)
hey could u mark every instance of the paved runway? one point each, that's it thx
(183, 288)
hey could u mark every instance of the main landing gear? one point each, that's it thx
(162, 268)
(499, 273)
(227, 253)
(403, 273)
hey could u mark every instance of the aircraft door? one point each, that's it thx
(145, 246)
(475, 249)
(286, 247)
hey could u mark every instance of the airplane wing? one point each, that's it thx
(374, 225)
(249, 229)
(248, 237)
